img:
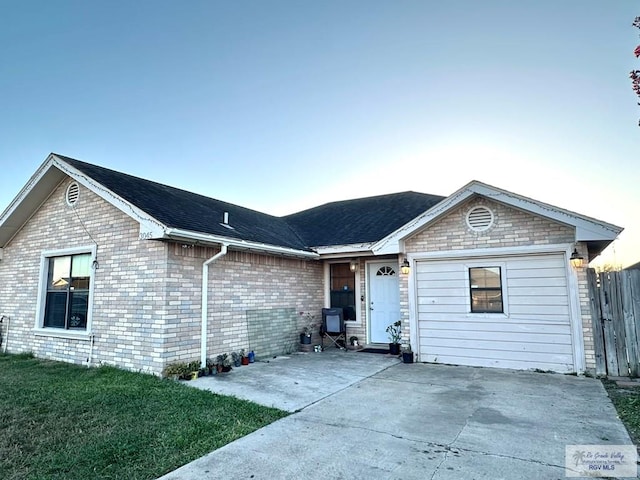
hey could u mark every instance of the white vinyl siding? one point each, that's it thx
(534, 332)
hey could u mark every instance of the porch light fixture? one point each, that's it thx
(353, 265)
(405, 267)
(576, 259)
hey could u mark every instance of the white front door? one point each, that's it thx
(384, 299)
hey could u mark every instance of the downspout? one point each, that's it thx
(205, 301)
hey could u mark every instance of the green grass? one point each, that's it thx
(62, 421)
(627, 403)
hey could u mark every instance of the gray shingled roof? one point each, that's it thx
(361, 220)
(337, 223)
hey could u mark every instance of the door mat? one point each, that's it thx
(374, 350)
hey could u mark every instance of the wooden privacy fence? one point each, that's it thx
(615, 311)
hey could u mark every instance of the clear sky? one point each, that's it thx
(282, 105)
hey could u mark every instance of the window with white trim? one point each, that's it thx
(66, 296)
(485, 288)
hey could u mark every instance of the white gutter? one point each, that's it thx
(186, 235)
(205, 302)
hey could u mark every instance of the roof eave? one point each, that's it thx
(30, 198)
(354, 248)
(586, 228)
(187, 236)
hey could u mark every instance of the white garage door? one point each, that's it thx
(533, 331)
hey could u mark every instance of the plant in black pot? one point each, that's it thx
(223, 363)
(307, 330)
(395, 334)
(407, 354)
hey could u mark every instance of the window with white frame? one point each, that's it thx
(66, 294)
(486, 289)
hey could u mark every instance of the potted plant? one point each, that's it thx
(307, 330)
(244, 358)
(395, 334)
(236, 358)
(407, 354)
(194, 370)
(211, 366)
(174, 370)
(223, 363)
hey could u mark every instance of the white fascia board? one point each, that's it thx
(393, 243)
(338, 250)
(587, 228)
(150, 228)
(177, 234)
(22, 194)
(29, 200)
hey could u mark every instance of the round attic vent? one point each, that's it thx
(73, 192)
(479, 219)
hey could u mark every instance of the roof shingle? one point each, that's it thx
(337, 223)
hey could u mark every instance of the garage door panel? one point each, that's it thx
(443, 292)
(537, 291)
(536, 282)
(560, 338)
(438, 328)
(539, 273)
(539, 309)
(530, 262)
(504, 345)
(547, 328)
(453, 308)
(541, 318)
(529, 318)
(430, 276)
(440, 283)
(499, 363)
(534, 332)
(551, 300)
(529, 357)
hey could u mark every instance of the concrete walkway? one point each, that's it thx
(368, 416)
(296, 381)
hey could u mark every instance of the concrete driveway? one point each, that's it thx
(367, 416)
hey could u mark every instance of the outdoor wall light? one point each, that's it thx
(576, 259)
(353, 265)
(405, 267)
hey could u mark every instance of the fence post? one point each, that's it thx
(617, 318)
(632, 320)
(607, 324)
(596, 323)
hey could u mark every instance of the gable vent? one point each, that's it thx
(73, 192)
(479, 219)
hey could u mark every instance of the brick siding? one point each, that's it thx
(147, 294)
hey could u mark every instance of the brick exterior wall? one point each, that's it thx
(128, 291)
(239, 282)
(147, 294)
(511, 228)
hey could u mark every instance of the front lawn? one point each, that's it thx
(62, 421)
